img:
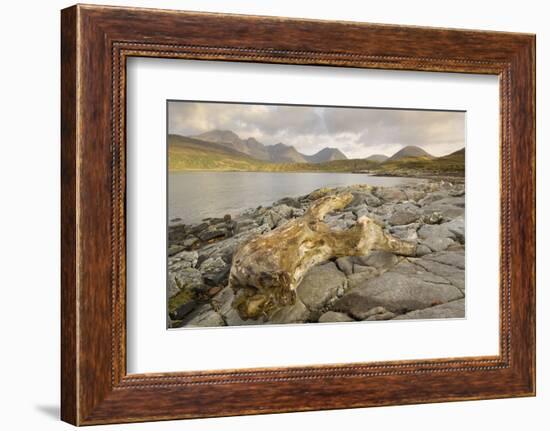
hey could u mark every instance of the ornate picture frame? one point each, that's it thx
(96, 41)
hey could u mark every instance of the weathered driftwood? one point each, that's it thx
(267, 270)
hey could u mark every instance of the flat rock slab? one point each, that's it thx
(398, 293)
(450, 310)
(417, 271)
(452, 258)
(454, 274)
(437, 244)
(359, 278)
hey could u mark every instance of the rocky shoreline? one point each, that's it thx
(380, 286)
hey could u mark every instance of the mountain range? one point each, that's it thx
(278, 153)
(223, 150)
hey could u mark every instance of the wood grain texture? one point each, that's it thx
(69, 397)
(96, 41)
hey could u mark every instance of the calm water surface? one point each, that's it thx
(193, 196)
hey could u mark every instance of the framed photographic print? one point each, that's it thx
(264, 214)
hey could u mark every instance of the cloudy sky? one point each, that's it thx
(357, 132)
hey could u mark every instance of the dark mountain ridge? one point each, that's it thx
(278, 153)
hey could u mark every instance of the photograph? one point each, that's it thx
(299, 214)
(332, 210)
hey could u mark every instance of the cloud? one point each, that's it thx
(358, 132)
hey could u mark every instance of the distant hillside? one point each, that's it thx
(326, 155)
(459, 153)
(377, 158)
(279, 153)
(410, 151)
(451, 164)
(188, 154)
(348, 165)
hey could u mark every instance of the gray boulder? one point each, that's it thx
(415, 194)
(437, 244)
(406, 232)
(403, 217)
(320, 284)
(447, 211)
(345, 264)
(223, 300)
(183, 310)
(456, 201)
(367, 198)
(227, 247)
(291, 202)
(211, 233)
(422, 250)
(390, 194)
(456, 227)
(433, 197)
(172, 288)
(174, 249)
(271, 218)
(381, 260)
(184, 259)
(243, 225)
(190, 241)
(372, 201)
(436, 237)
(214, 270)
(340, 221)
(294, 313)
(185, 278)
(283, 210)
(439, 231)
